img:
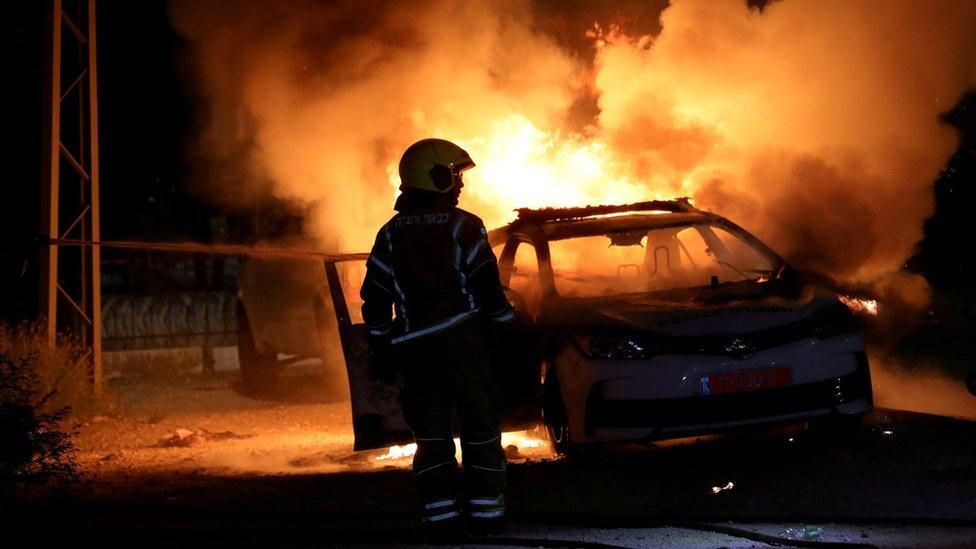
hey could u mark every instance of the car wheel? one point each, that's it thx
(259, 372)
(564, 446)
(559, 438)
(556, 420)
(554, 414)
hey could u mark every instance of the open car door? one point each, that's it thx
(377, 416)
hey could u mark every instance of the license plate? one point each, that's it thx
(745, 380)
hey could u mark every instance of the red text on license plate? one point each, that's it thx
(745, 380)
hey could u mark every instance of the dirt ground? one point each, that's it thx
(245, 435)
(227, 433)
(185, 456)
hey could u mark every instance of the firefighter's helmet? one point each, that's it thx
(433, 165)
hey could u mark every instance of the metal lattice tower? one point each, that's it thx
(70, 293)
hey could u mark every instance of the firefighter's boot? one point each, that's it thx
(484, 485)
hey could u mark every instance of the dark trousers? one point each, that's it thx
(444, 372)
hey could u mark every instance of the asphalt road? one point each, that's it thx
(910, 475)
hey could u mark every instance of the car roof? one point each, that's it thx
(618, 223)
(561, 223)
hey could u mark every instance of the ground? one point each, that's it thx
(283, 470)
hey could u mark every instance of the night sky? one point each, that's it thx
(148, 119)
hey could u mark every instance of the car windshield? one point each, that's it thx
(655, 260)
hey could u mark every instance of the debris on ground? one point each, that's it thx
(185, 437)
(356, 459)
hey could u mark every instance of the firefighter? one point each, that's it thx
(431, 264)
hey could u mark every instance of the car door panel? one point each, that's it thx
(377, 418)
(376, 406)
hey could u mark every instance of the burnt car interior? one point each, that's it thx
(609, 254)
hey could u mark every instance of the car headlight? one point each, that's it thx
(615, 346)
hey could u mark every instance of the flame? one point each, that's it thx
(860, 305)
(398, 452)
(716, 489)
(523, 440)
(802, 134)
(523, 165)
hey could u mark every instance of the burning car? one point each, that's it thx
(650, 321)
(658, 320)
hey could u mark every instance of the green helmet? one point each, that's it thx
(433, 165)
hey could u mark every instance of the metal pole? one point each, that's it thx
(48, 292)
(82, 305)
(96, 233)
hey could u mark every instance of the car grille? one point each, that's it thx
(698, 410)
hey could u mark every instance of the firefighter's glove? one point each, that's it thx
(508, 337)
(382, 363)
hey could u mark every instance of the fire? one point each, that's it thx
(522, 440)
(398, 452)
(802, 134)
(860, 305)
(522, 165)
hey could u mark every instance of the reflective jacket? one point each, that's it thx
(433, 266)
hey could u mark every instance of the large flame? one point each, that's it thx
(814, 124)
(521, 165)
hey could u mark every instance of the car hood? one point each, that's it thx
(736, 309)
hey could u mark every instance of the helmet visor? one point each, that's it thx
(463, 165)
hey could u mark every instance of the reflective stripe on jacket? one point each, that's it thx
(434, 268)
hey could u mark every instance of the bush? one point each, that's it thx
(39, 387)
